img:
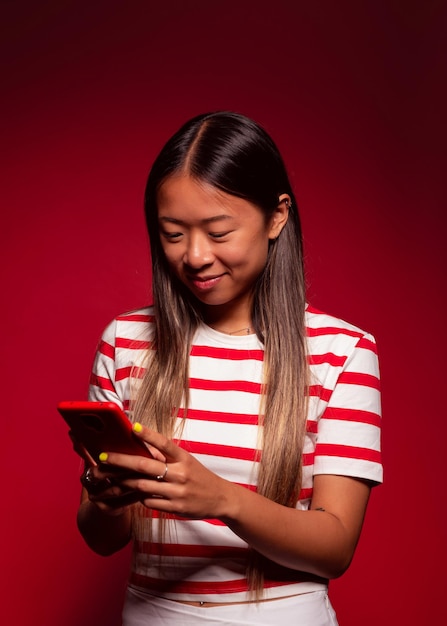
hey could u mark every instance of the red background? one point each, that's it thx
(352, 94)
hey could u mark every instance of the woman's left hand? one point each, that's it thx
(321, 541)
(181, 485)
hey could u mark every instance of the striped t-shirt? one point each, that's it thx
(204, 559)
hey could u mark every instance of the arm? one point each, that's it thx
(104, 530)
(315, 541)
(104, 524)
(321, 542)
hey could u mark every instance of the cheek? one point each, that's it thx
(171, 255)
(173, 264)
(249, 259)
(257, 249)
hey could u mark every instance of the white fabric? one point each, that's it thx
(204, 559)
(308, 609)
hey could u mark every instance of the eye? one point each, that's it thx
(171, 236)
(220, 235)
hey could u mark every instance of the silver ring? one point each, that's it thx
(88, 478)
(92, 484)
(161, 477)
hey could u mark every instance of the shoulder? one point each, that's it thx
(144, 315)
(327, 330)
(131, 326)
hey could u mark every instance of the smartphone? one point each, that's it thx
(102, 427)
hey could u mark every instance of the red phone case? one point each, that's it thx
(101, 427)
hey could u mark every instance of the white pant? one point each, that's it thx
(307, 609)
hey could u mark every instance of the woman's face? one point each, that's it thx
(215, 243)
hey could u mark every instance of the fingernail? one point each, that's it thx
(103, 457)
(137, 427)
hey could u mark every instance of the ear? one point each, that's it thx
(280, 216)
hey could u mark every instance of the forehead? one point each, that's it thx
(184, 197)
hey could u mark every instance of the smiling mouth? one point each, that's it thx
(205, 283)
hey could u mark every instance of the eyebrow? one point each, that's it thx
(208, 220)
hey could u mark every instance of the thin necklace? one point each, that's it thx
(245, 329)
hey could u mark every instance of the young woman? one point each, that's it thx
(261, 412)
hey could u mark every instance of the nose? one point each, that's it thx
(198, 252)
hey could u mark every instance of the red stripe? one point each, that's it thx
(101, 382)
(216, 449)
(276, 576)
(231, 452)
(311, 309)
(367, 344)
(253, 488)
(352, 415)
(234, 418)
(225, 385)
(106, 349)
(132, 344)
(156, 515)
(194, 550)
(306, 494)
(135, 317)
(228, 354)
(190, 587)
(332, 330)
(312, 426)
(215, 587)
(214, 522)
(308, 459)
(215, 416)
(320, 392)
(365, 380)
(329, 357)
(349, 452)
(125, 372)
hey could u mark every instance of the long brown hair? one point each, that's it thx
(235, 155)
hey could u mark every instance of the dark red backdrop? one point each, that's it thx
(351, 91)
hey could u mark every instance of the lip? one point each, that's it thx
(205, 283)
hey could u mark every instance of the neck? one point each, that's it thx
(233, 318)
(245, 330)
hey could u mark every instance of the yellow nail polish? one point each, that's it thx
(137, 427)
(103, 457)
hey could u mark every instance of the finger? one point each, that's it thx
(94, 481)
(111, 494)
(100, 488)
(114, 505)
(130, 466)
(80, 450)
(156, 453)
(169, 450)
(112, 511)
(140, 482)
(97, 481)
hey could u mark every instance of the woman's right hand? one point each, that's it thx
(104, 515)
(103, 488)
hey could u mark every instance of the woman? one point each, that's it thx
(262, 413)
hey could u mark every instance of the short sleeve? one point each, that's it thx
(349, 431)
(102, 380)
